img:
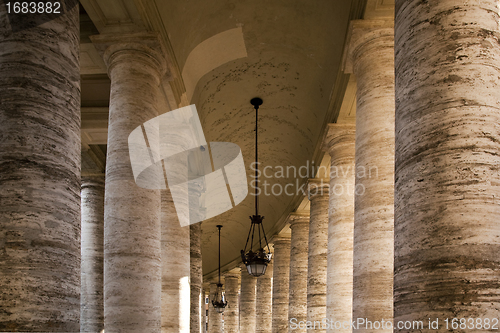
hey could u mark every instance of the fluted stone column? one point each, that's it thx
(447, 242)
(264, 300)
(92, 269)
(247, 301)
(339, 144)
(132, 229)
(197, 299)
(175, 252)
(281, 280)
(215, 324)
(297, 300)
(40, 175)
(371, 50)
(231, 312)
(318, 191)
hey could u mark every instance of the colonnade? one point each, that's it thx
(405, 229)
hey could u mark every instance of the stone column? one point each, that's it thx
(247, 301)
(197, 298)
(92, 269)
(132, 229)
(447, 242)
(339, 144)
(40, 174)
(215, 324)
(175, 261)
(231, 313)
(264, 300)
(281, 280)
(371, 50)
(318, 192)
(297, 300)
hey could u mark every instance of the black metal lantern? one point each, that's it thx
(219, 301)
(256, 261)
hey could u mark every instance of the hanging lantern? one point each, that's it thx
(219, 300)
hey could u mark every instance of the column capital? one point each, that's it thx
(137, 48)
(317, 187)
(362, 32)
(338, 134)
(279, 239)
(234, 273)
(298, 218)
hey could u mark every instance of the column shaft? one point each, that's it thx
(317, 253)
(447, 240)
(40, 175)
(297, 300)
(132, 229)
(231, 313)
(281, 280)
(372, 45)
(247, 302)
(92, 269)
(175, 261)
(340, 144)
(197, 299)
(264, 301)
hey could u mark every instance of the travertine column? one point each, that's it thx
(40, 175)
(215, 324)
(132, 229)
(281, 280)
(447, 242)
(371, 50)
(264, 300)
(318, 192)
(247, 301)
(231, 312)
(297, 301)
(339, 144)
(175, 261)
(92, 269)
(197, 297)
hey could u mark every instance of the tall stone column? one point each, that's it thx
(264, 300)
(132, 229)
(231, 312)
(215, 324)
(247, 301)
(371, 50)
(175, 261)
(447, 242)
(318, 192)
(297, 299)
(40, 175)
(92, 266)
(281, 280)
(197, 297)
(339, 144)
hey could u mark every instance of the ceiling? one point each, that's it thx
(221, 54)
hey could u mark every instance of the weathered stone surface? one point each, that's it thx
(297, 300)
(92, 266)
(340, 145)
(318, 191)
(447, 244)
(247, 301)
(231, 313)
(40, 175)
(264, 301)
(371, 49)
(197, 299)
(175, 263)
(132, 229)
(281, 281)
(215, 324)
